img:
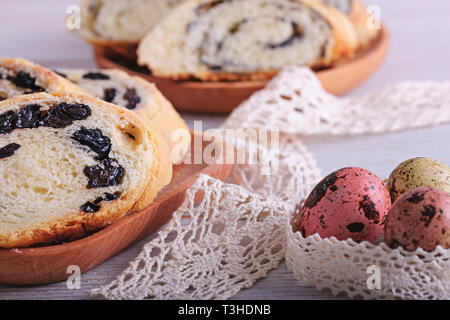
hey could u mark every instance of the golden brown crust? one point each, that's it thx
(159, 113)
(225, 76)
(163, 172)
(343, 31)
(168, 122)
(359, 16)
(75, 225)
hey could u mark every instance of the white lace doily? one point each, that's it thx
(296, 103)
(286, 172)
(207, 251)
(240, 231)
(347, 267)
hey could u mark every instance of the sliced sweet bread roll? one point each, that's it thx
(19, 76)
(357, 12)
(247, 39)
(121, 21)
(139, 95)
(71, 164)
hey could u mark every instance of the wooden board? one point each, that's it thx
(223, 97)
(49, 263)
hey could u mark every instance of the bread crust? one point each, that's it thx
(161, 115)
(345, 44)
(359, 16)
(343, 30)
(73, 225)
(162, 172)
(45, 78)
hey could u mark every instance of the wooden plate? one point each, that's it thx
(49, 264)
(223, 97)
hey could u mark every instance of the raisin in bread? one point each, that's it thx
(71, 164)
(356, 11)
(142, 97)
(248, 39)
(19, 76)
(121, 21)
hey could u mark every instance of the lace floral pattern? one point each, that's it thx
(240, 231)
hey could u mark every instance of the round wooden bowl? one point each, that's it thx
(223, 97)
(26, 266)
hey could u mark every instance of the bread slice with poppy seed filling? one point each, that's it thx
(71, 164)
(118, 21)
(215, 40)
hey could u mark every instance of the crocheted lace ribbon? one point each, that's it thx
(296, 103)
(208, 251)
(241, 230)
(227, 242)
(368, 271)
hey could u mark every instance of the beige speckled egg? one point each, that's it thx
(419, 219)
(416, 173)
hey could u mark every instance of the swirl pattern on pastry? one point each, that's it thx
(246, 39)
(112, 21)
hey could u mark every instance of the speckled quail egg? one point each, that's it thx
(416, 173)
(419, 219)
(348, 203)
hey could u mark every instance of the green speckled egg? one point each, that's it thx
(418, 172)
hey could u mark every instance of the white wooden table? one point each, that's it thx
(420, 51)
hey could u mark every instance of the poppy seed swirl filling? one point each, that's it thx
(241, 37)
(106, 173)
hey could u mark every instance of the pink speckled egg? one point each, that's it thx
(348, 203)
(419, 219)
